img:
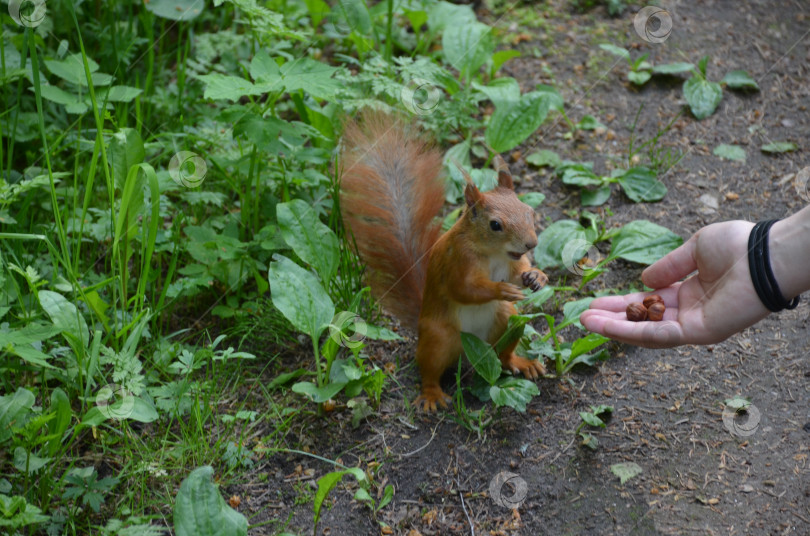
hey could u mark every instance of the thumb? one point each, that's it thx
(673, 266)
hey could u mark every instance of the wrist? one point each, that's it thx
(790, 253)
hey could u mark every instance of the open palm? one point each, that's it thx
(708, 307)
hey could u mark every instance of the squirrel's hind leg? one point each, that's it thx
(438, 347)
(530, 368)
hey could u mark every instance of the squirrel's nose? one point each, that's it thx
(531, 245)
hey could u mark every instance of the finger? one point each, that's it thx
(673, 266)
(647, 334)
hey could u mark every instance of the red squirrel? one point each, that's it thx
(463, 280)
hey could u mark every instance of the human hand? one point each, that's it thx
(708, 307)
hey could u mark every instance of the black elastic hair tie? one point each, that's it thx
(759, 264)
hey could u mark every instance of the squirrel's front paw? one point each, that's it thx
(534, 279)
(510, 292)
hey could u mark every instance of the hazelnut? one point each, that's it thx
(656, 311)
(636, 312)
(649, 300)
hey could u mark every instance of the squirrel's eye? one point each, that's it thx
(495, 225)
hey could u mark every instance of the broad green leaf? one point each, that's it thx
(318, 394)
(579, 174)
(379, 333)
(73, 104)
(625, 471)
(501, 57)
(737, 403)
(328, 482)
(544, 157)
(552, 241)
(19, 342)
(126, 150)
(555, 100)
(779, 147)
(118, 94)
(514, 331)
(318, 9)
(572, 311)
(132, 407)
(730, 152)
(14, 411)
(673, 68)
(63, 414)
(641, 184)
(64, 315)
(513, 392)
(594, 198)
(616, 51)
(591, 419)
(535, 300)
(589, 122)
(300, 297)
(703, 96)
(501, 91)
(643, 242)
(639, 78)
(312, 76)
(15, 512)
(311, 240)
(233, 88)
(356, 15)
(587, 343)
(482, 357)
(264, 70)
(200, 510)
(71, 69)
(179, 10)
(513, 123)
(467, 46)
(533, 199)
(739, 79)
(28, 462)
(444, 14)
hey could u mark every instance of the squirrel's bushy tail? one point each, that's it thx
(390, 197)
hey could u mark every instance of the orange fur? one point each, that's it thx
(465, 280)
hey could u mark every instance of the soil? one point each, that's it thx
(697, 476)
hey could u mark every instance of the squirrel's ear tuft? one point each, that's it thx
(504, 175)
(472, 195)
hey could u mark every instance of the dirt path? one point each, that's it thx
(698, 477)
